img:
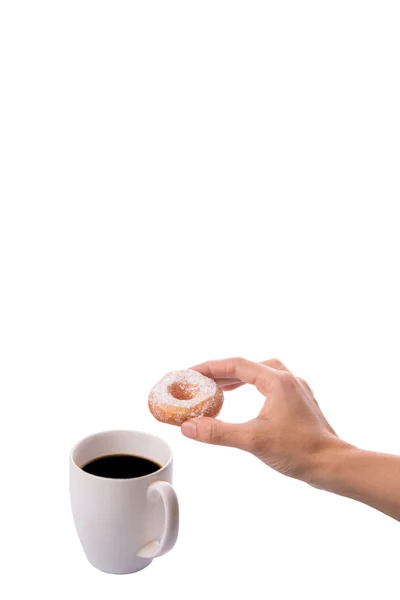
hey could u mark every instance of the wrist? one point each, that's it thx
(369, 477)
(328, 466)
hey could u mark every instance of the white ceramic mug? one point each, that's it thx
(123, 524)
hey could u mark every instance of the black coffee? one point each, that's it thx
(121, 466)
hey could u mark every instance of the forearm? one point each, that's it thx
(369, 477)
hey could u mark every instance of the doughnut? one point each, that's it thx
(182, 395)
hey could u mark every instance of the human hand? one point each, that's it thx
(290, 433)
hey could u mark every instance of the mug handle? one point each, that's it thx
(168, 495)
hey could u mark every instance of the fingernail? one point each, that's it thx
(189, 429)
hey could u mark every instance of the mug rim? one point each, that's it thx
(99, 433)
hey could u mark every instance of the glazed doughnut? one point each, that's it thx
(182, 395)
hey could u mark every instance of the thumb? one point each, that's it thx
(212, 431)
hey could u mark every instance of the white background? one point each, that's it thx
(183, 181)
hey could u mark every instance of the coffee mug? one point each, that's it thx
(123, 524)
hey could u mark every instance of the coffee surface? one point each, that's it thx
(121, 466)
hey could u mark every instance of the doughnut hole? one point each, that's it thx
(180, 391)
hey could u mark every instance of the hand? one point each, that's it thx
(289, 434)
(292, 436)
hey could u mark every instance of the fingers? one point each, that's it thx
(275, 363)
(228, 384)
(221, 381)
(304, 382)
(212, 431)
(262, 376)
(231, 387)
(279, 366)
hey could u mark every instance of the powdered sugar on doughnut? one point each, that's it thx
(198, 387)
(182, 395)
